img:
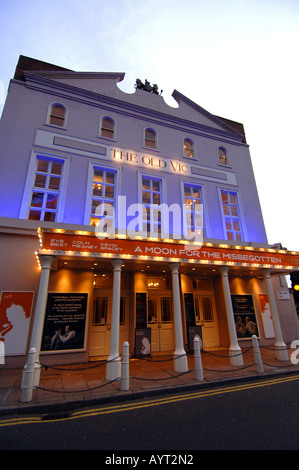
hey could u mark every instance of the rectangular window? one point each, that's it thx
(231, 214)
(45, 194)
(100, 311)
(166, 309)
(151, 192)
(193, 210)
(103, 197)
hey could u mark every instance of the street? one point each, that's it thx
(256, 414)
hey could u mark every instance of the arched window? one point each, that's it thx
(57, 115)
(222, 156)
(188, 148)
(107, 128)
(150, 138)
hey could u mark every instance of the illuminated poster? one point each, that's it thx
(64, 327)
(245, 320)
(15, 314)
(266, 316)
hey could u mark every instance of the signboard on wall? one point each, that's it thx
(283, 295)
(15, 315)
(244, 313)
(65, 321)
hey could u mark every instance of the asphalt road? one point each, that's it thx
(260, 414)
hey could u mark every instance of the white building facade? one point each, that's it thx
(125, 219)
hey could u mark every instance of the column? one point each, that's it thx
(113, 368)
(40, 312)
(235, 352)
(180, 358)
(282, 353)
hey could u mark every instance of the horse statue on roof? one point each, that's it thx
(146, 86)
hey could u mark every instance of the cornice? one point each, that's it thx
(117, 76)
(66, 91)
(180, 97)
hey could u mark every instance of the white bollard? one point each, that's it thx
(28, 377)
(125, 379)
(257, 355)
(197, 359)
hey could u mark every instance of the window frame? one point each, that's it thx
(201, 187)
(240, 216)
(151, 129)
(191, 141)
(30, 180)
(162, 193)
(49, 114)
(109, 118)
(89, 190)
(224, 149)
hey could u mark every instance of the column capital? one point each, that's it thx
(116, 263)
(46, 261)
(266, 273)
(224, 270)
(174, 267)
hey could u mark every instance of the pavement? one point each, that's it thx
(65, 388)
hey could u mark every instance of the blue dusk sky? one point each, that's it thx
(236, 58)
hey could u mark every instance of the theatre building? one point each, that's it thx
(124, 218)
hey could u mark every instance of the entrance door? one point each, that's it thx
(205, 316)
(99, 344)
(160, 320)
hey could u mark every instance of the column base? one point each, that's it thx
(180, 363)
(236, 358)
(282, 353)
(113, 369)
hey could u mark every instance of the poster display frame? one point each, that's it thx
(245, 316)
(56, 338)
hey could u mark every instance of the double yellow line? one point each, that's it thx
(145, 404)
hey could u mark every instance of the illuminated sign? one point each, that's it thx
(172, 165)
(242, 256)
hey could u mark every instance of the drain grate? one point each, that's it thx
(59, 415)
